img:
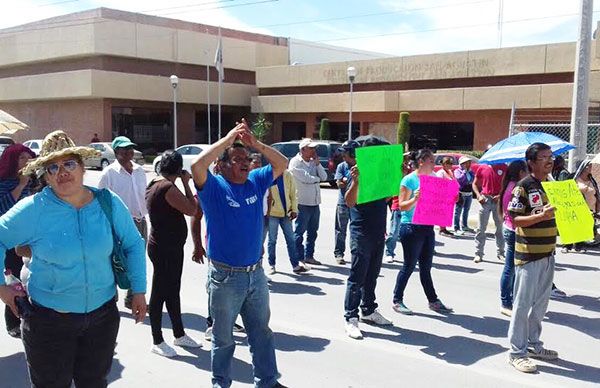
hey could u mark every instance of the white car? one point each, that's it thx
(189, 153)
(107, 156)
(34, 145)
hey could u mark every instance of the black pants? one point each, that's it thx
(166, 283)
(65, 347)
(14, 263)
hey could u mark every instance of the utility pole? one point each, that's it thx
(579, 108)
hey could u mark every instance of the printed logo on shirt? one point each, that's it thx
(231, 202)
(535, 199)
(251, 200)
(515, 205)
(500, 172)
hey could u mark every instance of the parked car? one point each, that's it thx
(3, 147)
(108, 156)
(6, 140)
(455, 157)
(189, 153)
(34, 145)
(327, 150)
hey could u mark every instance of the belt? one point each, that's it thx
(226, 267)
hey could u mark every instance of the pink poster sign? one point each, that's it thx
(436, 201)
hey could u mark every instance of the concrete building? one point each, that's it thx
(107, 72)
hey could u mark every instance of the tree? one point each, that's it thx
(324, 129)
(403, 131)
(261, 127)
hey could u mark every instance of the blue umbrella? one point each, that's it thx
(514, 147)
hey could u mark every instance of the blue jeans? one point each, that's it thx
(507, 279)
(367, 253)
(463, 205)
(342, 215)
(307, 221)
(418, 242)
(288, 234)
(392, 237)
(247, 294)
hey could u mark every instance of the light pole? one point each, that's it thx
(174, 83)
(351, 71)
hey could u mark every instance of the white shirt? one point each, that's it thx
(131, 188)
(308, 176)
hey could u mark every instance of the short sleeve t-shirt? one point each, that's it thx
(369, 219)
(343, 171)
(234, 216)
(490, 178)
(411, 182)
(538, 240)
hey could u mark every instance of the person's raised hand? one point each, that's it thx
(417, 194)
(185, 176)
(548, 212)
(354, 173)
(247, 137)
(24, 180)
(235, 133)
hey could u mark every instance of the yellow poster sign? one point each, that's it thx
(573, 217)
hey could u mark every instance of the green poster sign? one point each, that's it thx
(380, 169)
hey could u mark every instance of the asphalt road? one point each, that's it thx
(465, 349)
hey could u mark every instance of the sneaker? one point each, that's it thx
(439, 307)
(208, 334)
(186, 342)
(477, 259)
(402, 309)
(446, 232)
(376, 318)
(299, 269)
(544, 354)
(164, 350)
(352, 329)
(523, 364)
(340, 260)
(459, 232)
(238, 328)
(501, 258)
(558, 294)
(506, 311)
(469, 230)
(389, 259)
(311, 260)
(271, 270)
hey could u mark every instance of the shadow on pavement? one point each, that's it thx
(116, 370)
(571, 370)
(13, 371)
(311, 277)
(459, 256)
(299, 343)
(454, 350)
(488, 326)
(563, 266)
(190, 320)
(241, 371)
(339, 269)
(589, 326)
(456, 268)
(588, 303)
(295, 288)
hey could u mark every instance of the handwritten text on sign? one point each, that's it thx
(436, 201)
(573, 217)
(380, 169)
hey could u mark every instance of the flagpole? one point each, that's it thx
(208, 98)
(221, 75)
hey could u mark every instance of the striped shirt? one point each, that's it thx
(6, 199)
(536, 241)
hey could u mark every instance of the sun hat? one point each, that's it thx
(122, 142)
(307, 142)
(464, 159)
(56, 145)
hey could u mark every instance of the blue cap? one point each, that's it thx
(122, 142)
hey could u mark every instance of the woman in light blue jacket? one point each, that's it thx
(71, 334)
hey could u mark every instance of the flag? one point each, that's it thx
(219, 59)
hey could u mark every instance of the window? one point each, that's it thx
(193, 150)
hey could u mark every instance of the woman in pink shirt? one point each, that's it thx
(516, 171)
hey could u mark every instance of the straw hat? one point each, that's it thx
(57, 144)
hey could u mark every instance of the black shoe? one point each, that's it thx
(311, 260)
(15, 333)
(279, 385)
(238, 328)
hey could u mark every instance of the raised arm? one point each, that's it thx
(352, 194)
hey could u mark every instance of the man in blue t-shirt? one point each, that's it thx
(233, 208)
(342, 213)
(367, 240)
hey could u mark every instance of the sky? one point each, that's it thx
(396, 27)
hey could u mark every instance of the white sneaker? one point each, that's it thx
(272, 270)
(186, 342)
(558, 294)
(376, 318)
(477, 259)
(459, 232)
(389, 259)
(164, 350)
(352, 329)
(208, 334)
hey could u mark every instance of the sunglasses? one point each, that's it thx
(69, 165)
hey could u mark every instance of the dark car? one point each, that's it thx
(327, 150)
